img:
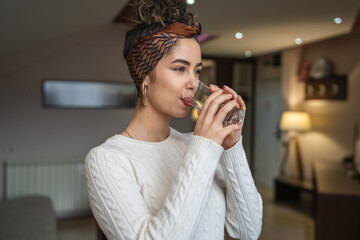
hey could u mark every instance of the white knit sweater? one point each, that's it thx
(185, 187)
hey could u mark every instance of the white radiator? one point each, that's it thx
(61, 180)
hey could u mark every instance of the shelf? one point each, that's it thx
(332, 88)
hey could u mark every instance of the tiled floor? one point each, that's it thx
(286, 221)
(280, 222)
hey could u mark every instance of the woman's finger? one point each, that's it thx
(213, 108)
(207, 103)
(213, 88)
(231, 91)
(231, 128)
(241, 103)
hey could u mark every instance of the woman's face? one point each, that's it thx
(176, 71)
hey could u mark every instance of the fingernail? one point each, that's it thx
(226, 86)
(211, 86)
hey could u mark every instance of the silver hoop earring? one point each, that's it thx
(143, 89)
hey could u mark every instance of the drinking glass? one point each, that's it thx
(197, 97)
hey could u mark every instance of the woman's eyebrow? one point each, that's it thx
(187, 63)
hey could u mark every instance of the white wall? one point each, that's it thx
(38, 132)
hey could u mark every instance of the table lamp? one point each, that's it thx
(294, 123)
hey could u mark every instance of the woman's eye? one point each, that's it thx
(197, 72)
(180, 69)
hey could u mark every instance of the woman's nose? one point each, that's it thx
(193, 80)
(192, 83)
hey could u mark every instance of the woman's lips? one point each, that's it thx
(187, 101)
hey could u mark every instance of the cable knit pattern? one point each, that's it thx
(243, 202)
(167, 190)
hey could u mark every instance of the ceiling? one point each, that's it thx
(267, 25)
(271, 25)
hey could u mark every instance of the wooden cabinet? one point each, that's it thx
(336, 200)
(337, 203)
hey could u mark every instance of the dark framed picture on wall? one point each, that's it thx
(79, 94)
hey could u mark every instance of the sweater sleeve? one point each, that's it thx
(119, 208)
(244, 207)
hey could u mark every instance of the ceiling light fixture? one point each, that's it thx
(239, 35)
(190, 2)
(298, 41)
(248, 53)
(337, 20)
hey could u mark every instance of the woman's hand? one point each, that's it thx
(231, 139)
(211, 116)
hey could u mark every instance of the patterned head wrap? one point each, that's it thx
(143, 58)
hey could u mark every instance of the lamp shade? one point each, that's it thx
(296, 121)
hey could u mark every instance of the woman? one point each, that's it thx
(153, 182)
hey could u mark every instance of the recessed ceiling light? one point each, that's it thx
(337, 20)
(239, 35)
(190, 2)
(248, 53)
(298, 41)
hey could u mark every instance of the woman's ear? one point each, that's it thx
(146, 80)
